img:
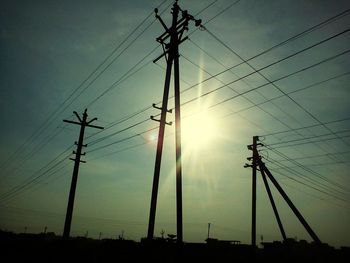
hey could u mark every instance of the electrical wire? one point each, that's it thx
(308, 169)
(49, 120)
(332, 19)
(326, 192)
(122, 140)
(15, 190)
(274, 84)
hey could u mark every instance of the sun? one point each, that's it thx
(199, 130)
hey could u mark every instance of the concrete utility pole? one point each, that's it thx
(83, 123)
(253, 148)
(269, 193)
(266, 174)
(290, 203)
(171, 53)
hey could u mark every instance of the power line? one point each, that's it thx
(317, 26)
(39, 183)
(121, 79)
(205, 8)
(135, 136)
(305, 127)
(280, 96)
(305, 192)
(260, 93)
(267, 66)
(59, 110)
(40, 170)
(318, 155)
(121, 120)
(119, 151)
(307, 169)
(121, 140)
(222, 11)
(117, 132)
(326, 191)
(41, 145)
(309, 179)
(308, 165)
(308, 138)
(302, 143)
(258, 105)
(303, 33)
(124, 76)
(239, 93)
(26, 183)
(263, 85)
(272, 83)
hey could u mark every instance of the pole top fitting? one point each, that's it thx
(198, 22)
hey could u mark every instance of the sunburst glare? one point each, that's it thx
(199, 130)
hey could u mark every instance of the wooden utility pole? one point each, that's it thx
(83, 123)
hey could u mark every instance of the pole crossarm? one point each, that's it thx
(94, 126)
(73, 122)
(178, 28)
(159, 108)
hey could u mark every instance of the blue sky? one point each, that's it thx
(48, 49)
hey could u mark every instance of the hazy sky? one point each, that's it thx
(49, 53)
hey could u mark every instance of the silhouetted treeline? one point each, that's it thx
(51, 248)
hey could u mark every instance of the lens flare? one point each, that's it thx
(199, 131)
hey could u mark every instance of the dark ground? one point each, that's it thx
(51, 248)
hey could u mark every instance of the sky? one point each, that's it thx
(57, 57)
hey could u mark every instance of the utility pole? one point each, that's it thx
(83, 123)
(208, 231)
(266, 174)
(253, 148)
(171, 54)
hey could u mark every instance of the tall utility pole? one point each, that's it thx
(83, 123)
(253, 148)
(171, 53)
